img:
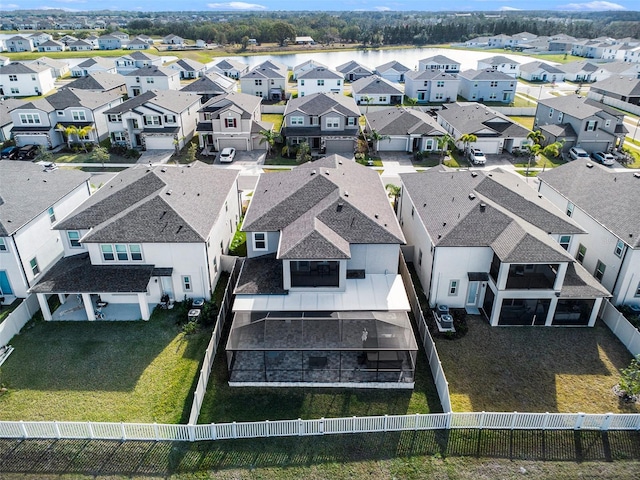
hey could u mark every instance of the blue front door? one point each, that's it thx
(5, 287)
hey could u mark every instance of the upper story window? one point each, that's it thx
(3, 245)
(302, 82)
(493, 84)
(230, 122)
(440, 84)
(259, 241)
(152, 120)
(30, 118)
(333, 122)
(565, 240)
(337, 82)
(590, 126)
(619, 248)
(582, 252)
(52, 214)
(208, 115)
(79, 115)
(607, 123)
(320, 82)
(35, 269)
(13, 78)
(599, 273)
(560, 116)
(74, 238)
(550, 112)
(258, 81)
(112, 117)
(569, 209)
(121, 252)
(351, 121)
(169, 119)
(296, 121)
(150, 80)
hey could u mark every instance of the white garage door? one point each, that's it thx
(340, 146)
(393, 145)
(22, 140)
(159, 143)
(487, 147)
(237, 143)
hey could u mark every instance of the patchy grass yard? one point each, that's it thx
(274, 118)
(87, 158)
(526, 122)
(102, 371)
(528, 369)
(542, 161)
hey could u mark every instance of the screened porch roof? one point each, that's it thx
(358, 331)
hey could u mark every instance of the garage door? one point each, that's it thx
(488, 147)
(159, 143)
(23, 140)
(393, 145)
(340, 146)
(237, 143)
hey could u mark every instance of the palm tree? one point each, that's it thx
(536, 137)
(444, 144)
(375, 138)
(270, 138)
(368, 99)
(78, 132)
(534, 151)
(410, 102)
(393, 191)
(467, 139)
(304, 153)
(553, 149)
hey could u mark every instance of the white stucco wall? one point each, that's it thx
(374, 258)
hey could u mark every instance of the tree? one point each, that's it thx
(553, 149)
(283, 31)
(44, 154)
(270, 138)
(536, 137)
(467, 139)
(304, 153)
(630, 379)
(444, 144)
(393, 191)
(534, 151)
(375, 138)
(367, 99)
(245, 42)
(100, 154)
(192, 152)
(410, 102)
(78, 132)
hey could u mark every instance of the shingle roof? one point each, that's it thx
(485, 74)
(533, 66)
(16, 68)
(579, 66)
(619, 67)
(440, 59)
(172, 100)
(374, 85)
(6, 106)
(430, 75)
(162, 204)
(591, 189)
(626, 86)
(98, 81)
(330, 203)
(26, 191)
(577, 106)
(392, 65)
(190, 65)
(320, 72)
(231, 65)
(152, 71)
(211, 83)
(402, 121)
(352, 66)
(71, 97)
(471, 117)
(245, 102)
(322, 103)
(498, 60)
(103, 62)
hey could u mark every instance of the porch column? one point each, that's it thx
(552, 311)
(88, 306)
(44, 306)
(594, 312)
(63, 298)
(144, 306)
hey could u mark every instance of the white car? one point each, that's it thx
(227, 155)
(604, 158)
(575, 153)
(477, 157)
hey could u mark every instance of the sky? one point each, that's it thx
(326, 5)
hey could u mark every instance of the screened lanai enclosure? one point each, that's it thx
(365, 349)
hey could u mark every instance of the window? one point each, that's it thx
(550, 112)
(440, 84)
(302, 82)
(453, 288)
(337, 82)
(560, 116)
(114, 117)
(230, 123)
(122, 253)
(493, 84)
(296, 121)
(186, 283)
(600, 268)
(619, 248)
(74, 238)
(136, 252)
(13, 78)
(169, 119)
(52, 214)
(333, 122)
(60, 113)
(320, 83)
(439, 96)
(3, 245)
(425, 83)
(215, 265)
(15, 90)
(79, 115)
(34, 266)
(259, 241)
(107, 253)
(119, 137)
(150, 80)
(565, 240)
(582, 251)
(590, 126)
(492, 96)
(420, 256)
(569, 209)
(221, 247)
(134, 123)
(30, 118)
(637, 294)
(152, 120)
(607, 123)
(351, 121)
(258, 81)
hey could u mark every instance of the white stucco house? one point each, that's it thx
(135, 60)
(440, 63)
(431, 86)
(267, 80)
(393, 71)
(306, 66)
(500, 63)
(487, 85)
(231, 68)
(151, 77)
(541, 72)
(319, 80)
(353, 71)
(188, 69)
(375, 90)
(25, 80)
(92, 65)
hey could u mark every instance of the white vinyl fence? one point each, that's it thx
(429, 345)
(621, 327)
(17, 319)
(212, 348)
(321, 426)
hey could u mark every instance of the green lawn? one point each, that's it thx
(274, 118)
(87, 158)
(526, 122)
(103, 371)
(542, 161)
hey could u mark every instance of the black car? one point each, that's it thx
(9, 152)
(27, 152)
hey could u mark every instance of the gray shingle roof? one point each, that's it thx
(591, 190)
(212, 83)
(401, 121)
(190, 65)
(626, 86)
(16, 68)
(247, 104)
(374, 85)
(485, 75)
(440, 59)
(471, 117)
(152, 71)
(322, 103)
(231, 65)
(498, 60)
(430, 75)
(579, 66)
(71, 97)
(533, 66)
(577, 106)
(172, 100)
(330, 203)
(320, 72)
(6, 107)
(103, 62)
(98, 81)
(26, 191)
(156, 205)
(392, 65)
(353, 66)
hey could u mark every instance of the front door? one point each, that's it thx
(315, 143)
(167, 286)
(472, 294)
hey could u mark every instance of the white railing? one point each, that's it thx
(442, 386)
(621, 327)
(321, 426)
(17, 319)
(212, 348)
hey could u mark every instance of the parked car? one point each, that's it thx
(27, 152)
(576, 152)
(227, 155)
(477, 157)
(9, 152)
(604, 158)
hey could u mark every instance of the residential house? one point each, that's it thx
(495, 132)
(393, 71)
(440, 63)
(306, 66)
(188, 68)
(375, 90)
(19, 44)
(135, 60)
(173, 40)
(305, 40)
(589, 48)
(616, 69)
(147, 233)
(319, 301)
(211, 85)
(561, 43)
(232, 120)
(59, 68)
(22, 80)
(38, 122)
(151, 77)
(477, 42)
(111, 41)
(267, 80)
(93, 40)
(611, 249)
(327, 122)
(51, 46)
(32, 200)
(232, 68)
(319, 80)
(145, 38)
(632, 56)
(80, 46)
(620, 92)
(541, 72)
(154, 120)
(486, 241)
(92, 65)
(353, 71)
(6, 122)
(580, 71)
(431, 86)
(487, 86)
(101, 81)
(499, 63)
(404, 130)
(582, 122)
(67, 39)
(501, 41)
(138, 44)
(39, 38)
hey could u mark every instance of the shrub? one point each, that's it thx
(208, 314)
(190, 327)
(630, 379)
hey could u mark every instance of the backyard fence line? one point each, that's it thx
(17, 319)
(439, 378)
(621, 327)
(212, 348)
(320, 426)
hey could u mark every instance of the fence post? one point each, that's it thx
(23, 429)
(415, 422)
(90, 428)
(156, 431)
(546, 421)
(321, 425)
(353, 424)
(122, 431)
(191, 428)
(57, 429)
(481, 423)
(607, 422)
(513, 420)
(299, 426)
(386, 422)
(267, 429)
(579, 421)
(234, 431)
(214, 431)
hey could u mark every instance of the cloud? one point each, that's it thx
(382, 9)
(71, 1)
(508, 9)
(598, 5)
(236, 6)
(9, 6)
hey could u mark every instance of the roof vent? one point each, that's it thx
(472, 196)
(474, 174)
(313, 172)
(169, 192)
(444, 224)
(346, 194)
(424, 205)
(327, 172)
(340, 205)
(376, 215)
(589, 165)
(483, 207)
(163, 170)
(637, 175)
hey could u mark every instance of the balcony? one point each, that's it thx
(315, 274)
(531, 277)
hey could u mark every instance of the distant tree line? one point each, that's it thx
(388, 28)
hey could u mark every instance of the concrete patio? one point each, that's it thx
(73, 310)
